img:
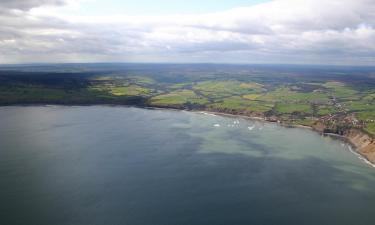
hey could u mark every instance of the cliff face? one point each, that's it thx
(363, 142)
(318, 126)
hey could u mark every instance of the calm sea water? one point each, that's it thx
(128, 166)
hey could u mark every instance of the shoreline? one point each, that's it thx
(353, 148)
(352, 145)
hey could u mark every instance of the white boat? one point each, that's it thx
(251, 128)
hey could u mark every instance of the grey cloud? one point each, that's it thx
(283, 31)
(28, 4)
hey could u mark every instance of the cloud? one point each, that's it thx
(281, 31)
(28, 4)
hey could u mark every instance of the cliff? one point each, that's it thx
(364, 143)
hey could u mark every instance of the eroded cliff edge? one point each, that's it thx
(363, 142)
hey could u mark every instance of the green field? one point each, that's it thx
(222, 89)
(370, 128)
(341, 91)
(289, 108)
(323, 110)
(284, 94)
(178, 99)
(335, 100)
(241, 104)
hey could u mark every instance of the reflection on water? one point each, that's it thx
(118, 165)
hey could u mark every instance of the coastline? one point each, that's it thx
(359, 143)
(354, 146)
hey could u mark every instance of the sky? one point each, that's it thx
(156, 7)
(335, 32)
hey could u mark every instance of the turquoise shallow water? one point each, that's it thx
(117, 165)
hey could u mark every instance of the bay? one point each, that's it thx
(122, 165)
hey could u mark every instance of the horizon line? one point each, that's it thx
(183, 63)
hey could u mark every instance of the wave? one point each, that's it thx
(360, 156)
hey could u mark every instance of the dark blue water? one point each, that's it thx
(116, 165)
